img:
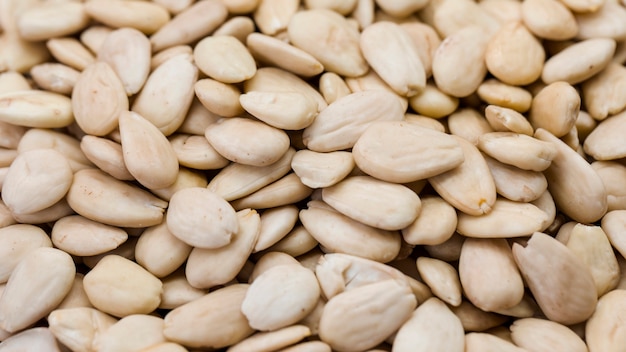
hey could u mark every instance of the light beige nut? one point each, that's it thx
(497, 93)
(273, 51)
(10, 134)
(159, 251)
(401, 8)
(390, 52)
(402, 152)
(534, 333)
(219, 98)
(186, 178)
(147, 17)
(591, 245)
(431, 327)
(517, 184)
(77, 328)
(296, 243)
(555, 108)
(514, 55)
(167, 94)
(11, 11)
(273, 16)
(239, 27)
(469, 187)
(332, 87)
(126, 250)
(425, 121)
(503, 119)
(211, 321)
(100, 197)
(576, 64)
(239, 180)
(276, 223)
(269, 260)
(165, 347)
(80, 236)
(604, 330)
(318, 170)
(285, 110)
(506, 219)
(42, 269)
(310, 346)
(196, 152)
(382, 308)
(177, 291)
(47, 215)
(162, 56)
(16, 241)
(148, 155)
(106, 155)
(373, 202)
(605, 21)
(519, 150)
(131, 333)
(287, 190)
(272, 340)
(14, 81)
(600, 92)
(433, 102)
(175, 6)
(450, 17)
(207, 268)
(36, 180)
(434, 225)
(577, 189)
(55, 77)
(19, 55)
(426, 40)
(612, 173)
(121, 287)
(201, 218)
(77, 296)
(526, 308)
(463, 51)
(549, 19)
(248, 142)
(442, 278)
(40, 339)
(503, 11)
(334, 43)
(489, 276)
(224, 58)
(560, 283)
(476, 319)
(69, 51)
(603, 142)
(486, 342)
(468, 124)
(195, 22)
(356, 238)
(36, 108)
(91, 40)
(198, 118)
(340, 125)
(128, 52)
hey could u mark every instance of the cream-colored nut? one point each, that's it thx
(613, 223)
(131, 333)
(47, 215)
(107, 155)
(71, 52)
(42, 269)
(490, 278)
(514, 55)
(600, 92)
(162, 56)
(384, 307)
(579, 61)
(503, 119)
(433, 102)
(469, 187)
(159, 251)
(177, 291)
(248, 142)
(363, 13)
(426, 40)
(434, 225)
(272, 340)
(431, 327)
(442, 278)
(175, 6)
(468, 124)
(577, 189)
(561, 284)
(285, 110)
(100, 197)
(356, 239)
(297, 242)
(425, 121)
(276, 223)
(549, 19)
(167, 94)
(195, 22)
(476, 319)
(449, 17)
(280, 54)
(318, 170)
(328, 37)
(16, 241)
(125, 250)
(506, 219)
(269, 260)
(340, 125)
(219, 98)
(40, 339)
(459, 62)
(79, 236)
(612, 174)
(165, 347)
(15, 81)
(196, 152)
(519, 150)
(121, 287)
(486, 342)
(555, 108)
(310, 346)
(147, 17)
(239, 27)
(401, 9)
(36, 180)
(207, 268)
(212, 321)
(19, 55)
(76, 297)
(224, 58)
(77, 328)
(36, 138)
(36, 108)
(186, 178)
(273, 16)
(98, 99)
(10, 135)
(332, 87)
(373, 202)
(604, 330)
(526, 308)
(148, 154)
(201, 218)
(55, 77)
(602, 142)
(517, 184)
(128, 52)
(503, 11)
(402, 152)
(607, 21)
(497, 93)
(534, 333)
(91, 38)
(287, 190)
(11, 10)
(197, 119)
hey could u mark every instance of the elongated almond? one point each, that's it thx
(107, 155)
(516, 184)
(503, 119)
(36, 108)
(272, 340)
(16, 242)
(574, 64)
(177, 291)
(276, 223)
(20, 55)
(318, 170)
(533, 334)
(549, 19)
(77, 328)
(604, 330)
(49, 21)
(55, 77)
(219, 98)
(476, 319)
(612, 173)
(602, 143)
(195, 152)
(561, 284)
(286, 110)
(468, 124)
(273, 16)
(485, 342)
(442, 278)
(145, 16)
(159, 251)
(599, 92)
(79, 236)
(497, 93)
(238, 26)
(131, 333)
(274, 51)
(519, 150)
(333, 87)
(224, 58)
(71, 52)
(606, 20)
(287, 190)
(40, 339)
(434, 225)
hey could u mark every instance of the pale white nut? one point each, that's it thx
(224, 58)
(272, 340)
(145, 16)
(16, 241)
(272, 17)
(159, 251)
(442, 278)
(319, 170)
(77, 328)
(131, 333)
(80, 236)
(36, 108)
(435, 224)
(71, 52)
(534, 333)
(604, 330)
(579, 61)
(603, 142)
(39, 339)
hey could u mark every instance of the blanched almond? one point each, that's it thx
(604, 330)
(518, 150)
(603, 142)
(534, 333)
(224, 58)
(286, 110)
(36, 108)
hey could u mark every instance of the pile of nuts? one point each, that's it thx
(317, 175)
